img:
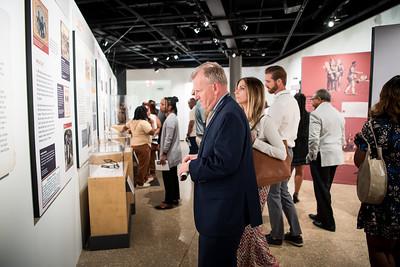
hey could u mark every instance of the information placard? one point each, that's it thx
(50, 96)
(7, 152)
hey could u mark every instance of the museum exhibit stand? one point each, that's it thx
(111, 195)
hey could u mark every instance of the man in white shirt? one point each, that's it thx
(326, 139)
(191, 132)
(286, 115)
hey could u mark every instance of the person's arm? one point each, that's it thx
(190, 128)
(273, 146)
(147, 128)
(192, 118)
(314, 136)
(158, 129)
(169, 129)
(227, 153)
(362, 146)
(359, 157)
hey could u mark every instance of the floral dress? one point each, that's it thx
(383, 220)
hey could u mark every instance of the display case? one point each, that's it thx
(111, 195)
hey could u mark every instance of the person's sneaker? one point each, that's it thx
(294, 240)
(272, 241)
(146, 184)
(295, 198)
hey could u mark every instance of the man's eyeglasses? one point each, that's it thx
(110, 164)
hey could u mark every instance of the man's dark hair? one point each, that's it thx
(324, 95)
(277, 72)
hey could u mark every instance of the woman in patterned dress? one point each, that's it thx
(253, 248)
(381, 222)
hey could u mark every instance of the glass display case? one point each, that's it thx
(110, 194)
(107, 159)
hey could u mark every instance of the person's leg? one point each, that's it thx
(275, 211)
(381, 251)
(173, 173)
(146, 160)
(152, 167)
(322, 182)
(141, 154)
(193, 146)
(169, 186)
(218, 251)
(290, 210)
(298, 180)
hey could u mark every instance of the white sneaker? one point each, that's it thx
(146, 184)
(150, 179)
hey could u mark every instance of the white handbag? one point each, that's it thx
(372, 176)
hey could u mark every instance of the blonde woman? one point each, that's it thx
(253, 249)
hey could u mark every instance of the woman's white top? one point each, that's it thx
(268, 139)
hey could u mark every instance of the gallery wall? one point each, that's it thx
(55, 238)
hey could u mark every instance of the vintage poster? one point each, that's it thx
(40, 22)
(346, 77)
(65, 66)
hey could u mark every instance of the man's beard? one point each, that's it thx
(273, 89)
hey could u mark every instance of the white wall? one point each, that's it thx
(55, 240)
(143, 85)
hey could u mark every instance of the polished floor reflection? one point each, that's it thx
(169, 237)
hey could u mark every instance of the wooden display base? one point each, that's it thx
(110, 241)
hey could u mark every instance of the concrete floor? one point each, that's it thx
(169, 237)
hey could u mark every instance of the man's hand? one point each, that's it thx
(184, 169)
(188, 158)
(311, 157)
(163, 159)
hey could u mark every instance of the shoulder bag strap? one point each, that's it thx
(378, 148)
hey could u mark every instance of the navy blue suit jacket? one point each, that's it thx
(225, 188)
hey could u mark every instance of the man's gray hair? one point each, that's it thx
(324, 95)
(212, 71)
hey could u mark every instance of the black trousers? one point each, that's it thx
(218, 251)
(322, 179)
(193, 148)
(171, 185)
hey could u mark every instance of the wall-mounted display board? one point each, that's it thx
(50, 97)
(385, 58)
(7, 152)
(103, 97)
(85, 88)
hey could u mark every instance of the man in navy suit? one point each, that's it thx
(225, 188)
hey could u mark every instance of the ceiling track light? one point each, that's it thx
(196, 30)
(176, 57)
(155, 59)
(167, 58)
(263, 54)
(244, 27)
(215, 40)
(206, 23)
(234, 55)
(331, 23)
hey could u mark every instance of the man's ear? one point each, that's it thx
(215, 87)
